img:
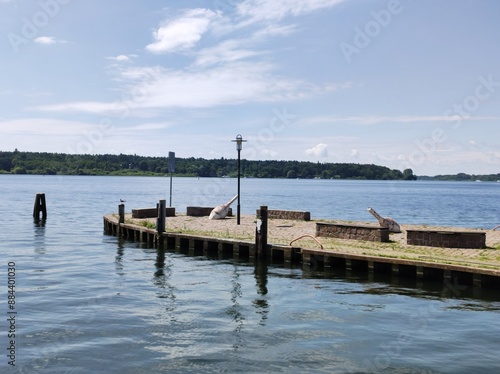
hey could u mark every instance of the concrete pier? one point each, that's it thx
(315, 259)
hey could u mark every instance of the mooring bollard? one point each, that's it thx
(261, 232)
(40, 206)
(121, 213)
(121, 219)
(162, 213)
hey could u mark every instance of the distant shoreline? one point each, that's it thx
(40, 163)
(419, 179)
(75, 164)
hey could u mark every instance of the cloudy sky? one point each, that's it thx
(400, 83)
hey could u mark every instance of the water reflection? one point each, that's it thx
(330, 312)
(235, 311)
(261, 304)
(39, 236)
(387, 284)
(160, 263)
(161, 279)
(119, 258)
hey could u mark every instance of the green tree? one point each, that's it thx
(408, 175)
(143, 165)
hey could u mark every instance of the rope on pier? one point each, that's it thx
(309, 236)
(496, 227)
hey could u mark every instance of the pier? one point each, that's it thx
(295, 243)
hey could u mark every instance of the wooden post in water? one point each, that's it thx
(121, 213)
(40, 206)
(121, 219)
(162, 213)
(261, 232)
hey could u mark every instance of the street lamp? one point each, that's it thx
(239, 146)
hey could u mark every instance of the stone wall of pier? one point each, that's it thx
(447, 239)
(357, 232)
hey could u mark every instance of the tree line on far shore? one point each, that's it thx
(77, 164)
(18, 162)
(463, 177)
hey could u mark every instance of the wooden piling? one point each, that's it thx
(121, 219)
(40, 206)
(121, 213)
(162, 213)
(453, 275)
(261, 232)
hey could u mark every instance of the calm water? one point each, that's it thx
(90, 303)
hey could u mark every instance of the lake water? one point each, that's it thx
(91, 303)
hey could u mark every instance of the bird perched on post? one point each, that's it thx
(221, 211)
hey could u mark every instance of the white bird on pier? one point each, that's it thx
(221, 211)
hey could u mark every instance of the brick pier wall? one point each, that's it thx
(358, 232)
(287, 214)
(151, 212)
(447, 239)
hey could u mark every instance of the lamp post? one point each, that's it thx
(239, 146)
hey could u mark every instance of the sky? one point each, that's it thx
(399, 83)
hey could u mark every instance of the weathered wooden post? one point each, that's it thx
(121, 219)
(121, 213)
(162, 213)
(261, 232)
(40, 206)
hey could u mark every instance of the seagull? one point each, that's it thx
(122, 201)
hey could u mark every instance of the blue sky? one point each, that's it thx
(400, 83)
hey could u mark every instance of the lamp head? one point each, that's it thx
(239, 142)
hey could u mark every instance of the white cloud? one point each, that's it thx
(225, 73)
(150, 126)
(238, 49)
(120, 58)
(265, 10)
(47, 40)
(43, 126)
(182, 33)
(320, 150)
(275, 30)
(55, 135)
(85, 106)
(373, 120)
(230, 84)
(226, 51)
